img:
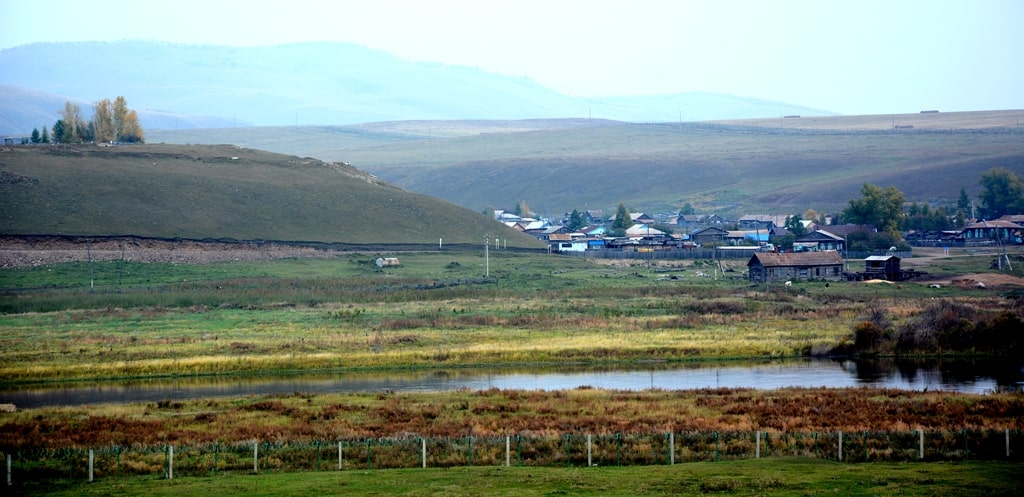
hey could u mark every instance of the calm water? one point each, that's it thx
(960, 376)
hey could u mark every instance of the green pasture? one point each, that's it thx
(768, 477)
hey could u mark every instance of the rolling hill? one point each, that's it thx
(729, 167)
(223, 192)
(316, 83)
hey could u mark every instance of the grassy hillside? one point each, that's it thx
(221, 192)
(776, 165)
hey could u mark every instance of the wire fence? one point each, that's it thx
(35, 467)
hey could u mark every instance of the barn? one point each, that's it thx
(772, 267)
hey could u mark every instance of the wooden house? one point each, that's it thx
(817, 241)
(997, 230)
(776, 267)
(709, 236)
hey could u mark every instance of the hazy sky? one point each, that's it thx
(851, 57)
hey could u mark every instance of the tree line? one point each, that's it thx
(112, 121)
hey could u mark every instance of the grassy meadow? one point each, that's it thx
(114, 319)
(768, 477)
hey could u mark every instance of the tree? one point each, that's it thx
(45, 138)
(119, 117)
(103, 121)
(1002, 193)
(881, 208)
(964, 202)
(686, 210)
(622, 222)
(924, 218)
(59, 132)
(522, 210)
(126, 122)
(35, 136)
(74, 127)
(794, 226)
(576, 221)
(131, 132)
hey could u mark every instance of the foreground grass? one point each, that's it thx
(769, 477)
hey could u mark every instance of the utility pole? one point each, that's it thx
(487, 257)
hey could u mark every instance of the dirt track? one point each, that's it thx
(37, 251)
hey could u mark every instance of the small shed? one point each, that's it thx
(387, 262)
(776, 267)
(883, 267)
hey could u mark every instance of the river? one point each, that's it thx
(949, 375)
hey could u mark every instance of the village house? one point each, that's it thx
(760, 222)
(709, 236)
(818, 241)
(567, 242)
(775, 267)
(997, 230)
(638, 218)
(692, 222)
(747, 237)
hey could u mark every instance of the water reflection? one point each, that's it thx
(980, 376)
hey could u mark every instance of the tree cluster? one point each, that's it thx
(1002, 193)
(885, 208)
(942, 326)
(111, 122)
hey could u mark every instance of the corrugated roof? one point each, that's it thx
(823, 258)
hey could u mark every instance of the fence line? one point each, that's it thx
(47, 466)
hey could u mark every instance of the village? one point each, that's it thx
(774, 253)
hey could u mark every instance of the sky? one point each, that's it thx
(849, 57)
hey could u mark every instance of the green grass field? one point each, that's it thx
(768, 477)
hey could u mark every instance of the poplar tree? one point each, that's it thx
(73, 127)
(103, 121)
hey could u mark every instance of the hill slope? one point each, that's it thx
(324, 84)
(774, 166)
(199, 192)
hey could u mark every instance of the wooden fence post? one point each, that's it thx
(339, 455)
(920, 444)
(840, 445)
(170, 462)
(423, 449)
(590, 461)
(757, 449)
(92, 457)
(256, 457)
(508, 451)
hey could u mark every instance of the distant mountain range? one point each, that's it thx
(186, 86)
